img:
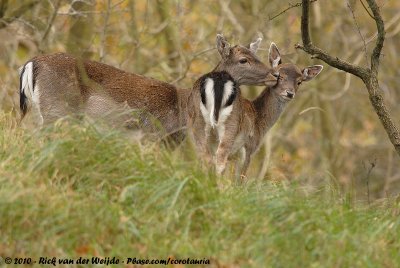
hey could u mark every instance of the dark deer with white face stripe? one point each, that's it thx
(61, 84)
(246, 122)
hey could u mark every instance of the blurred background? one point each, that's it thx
(328, 134)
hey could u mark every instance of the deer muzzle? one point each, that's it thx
(271, 79)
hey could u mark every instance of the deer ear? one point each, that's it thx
(254, 46)
(311, 71)
(223, 46)
(274, 56)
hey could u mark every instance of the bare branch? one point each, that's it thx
(51, 21)
(358, 30)
(117, 4)
(376, 53)
(368, 76)
(366, 9)
(3, 7)
(229, 14)
(17, 13)
(189, 63)
(104, 32)
(372, 165)
(318, 53)
(288, 8)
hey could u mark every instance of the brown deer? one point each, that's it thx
(60, 84)
(236, 123)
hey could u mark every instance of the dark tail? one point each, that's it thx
(23, 105)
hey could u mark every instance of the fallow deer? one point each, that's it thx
(238, 123)
(60, 84)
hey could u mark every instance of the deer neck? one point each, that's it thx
(183, 97)
(268, 107)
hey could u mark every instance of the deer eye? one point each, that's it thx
(299, 83)
(243, 60)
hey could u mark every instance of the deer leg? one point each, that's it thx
(200, 133)
(222, 157)
(223, 152)
(245, 165)
(206, 145)
(239, 164)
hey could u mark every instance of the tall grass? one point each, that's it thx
(71, 190)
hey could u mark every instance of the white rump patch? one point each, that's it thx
(208, 110)
(27, 80)
(228, 90)
(32, 94)
(224, 112)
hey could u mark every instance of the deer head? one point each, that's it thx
(243, 64)
(290, 76)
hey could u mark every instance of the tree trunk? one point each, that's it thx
(377, 101)
(368, 76)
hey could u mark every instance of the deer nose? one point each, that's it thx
(290, 94)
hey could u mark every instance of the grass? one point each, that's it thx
(72, 190)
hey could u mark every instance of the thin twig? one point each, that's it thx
(117, 4)
(51, 21)
(3, 7)
(366, 9)
(188, 65)
(286, 9)
(18, 13)
(203, 52)
(229, 14)
(358, 30)
(318, 53)
(381, 36)
(104, 32)
(368, 76)
(372, 165)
